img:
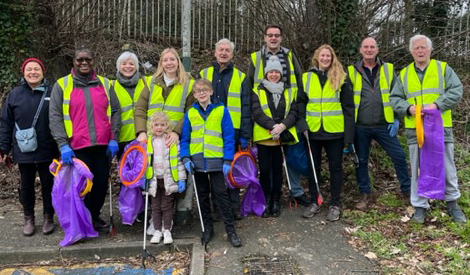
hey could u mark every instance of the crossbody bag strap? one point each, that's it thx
(39, 109)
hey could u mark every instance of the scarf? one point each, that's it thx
(275, 89)
(128, 82)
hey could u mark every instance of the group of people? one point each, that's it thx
(198, 125)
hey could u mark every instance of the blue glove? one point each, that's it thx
(243, 143)
(181, 186)
(113, 148)
(189, 165)
(66, 154)
(348, 149)
(393, 128)
(226, 169)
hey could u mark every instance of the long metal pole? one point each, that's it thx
(186, 34)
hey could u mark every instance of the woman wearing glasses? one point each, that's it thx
(85, 120)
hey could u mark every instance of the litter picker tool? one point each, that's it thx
(112, 228)
(319, 196)
(145, 253)
(284, 163)
(355, 157)
(198, 205)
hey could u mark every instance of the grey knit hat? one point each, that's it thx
(273, 64)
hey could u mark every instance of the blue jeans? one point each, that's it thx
(392, 147)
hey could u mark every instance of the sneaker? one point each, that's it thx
(167, 238)
(311, 210)
(363, 202)
(302, 200)
(419, 215)
(234, 240)
(333, 213)
(151, 228)
(455, 212)
(157, 237)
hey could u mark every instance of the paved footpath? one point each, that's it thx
(311, 246)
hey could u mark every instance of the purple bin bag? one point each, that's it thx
(71, 212)
(245, 174)
(130, 198)
(431, 179)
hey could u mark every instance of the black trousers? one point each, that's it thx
(27, 192)
(96, 159)
(270, 166)
(334, 152)
(215, 181)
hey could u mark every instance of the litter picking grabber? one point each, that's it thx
(145, 253)
(319, 196)
(112, 228)
(198, 206)
(284, 163)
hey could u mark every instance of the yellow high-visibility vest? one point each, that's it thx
(127, 103)
(66, 83)
(173, 160)
(385, 82)
(206, 136)
(427, 92)
(234, 105)
(324, 105)
(260, 133)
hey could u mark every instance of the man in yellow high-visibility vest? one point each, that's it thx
(291, 75)
(433, 85)
(231, 87)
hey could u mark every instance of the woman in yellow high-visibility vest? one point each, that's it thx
(330, 117)
(275, 112)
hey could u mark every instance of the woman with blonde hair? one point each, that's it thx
(329, 102)
(170, 91)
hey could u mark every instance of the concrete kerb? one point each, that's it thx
(87, 251)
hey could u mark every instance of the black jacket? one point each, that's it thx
(20, 107)
(278, 113)
(347, 104)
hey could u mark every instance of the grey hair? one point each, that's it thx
(225, 41)
(418, 37)
(125, 56)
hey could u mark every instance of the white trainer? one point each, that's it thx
(157, 237)
(151, 228)
(167, 238)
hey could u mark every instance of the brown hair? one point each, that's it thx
(272, 26)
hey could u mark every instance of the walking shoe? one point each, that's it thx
(363, 202)
(151, 228)
(302, 200)
(311, 210)
(167, 238)
(101, 226)
(236, 214)
(266, 213)
(207, 235)
(419, 215)
(276, 212)
(48, 225)
(234, 240)
(455, 212)
(157, 237)
(29, 227)
(333, 213)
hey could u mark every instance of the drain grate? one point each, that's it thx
(266, 265)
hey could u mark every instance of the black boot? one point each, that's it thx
(207, 235)
(276, 212)
(269, 206)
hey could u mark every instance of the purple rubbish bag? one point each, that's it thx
(130, 169)
(431, 179)
(73, 216)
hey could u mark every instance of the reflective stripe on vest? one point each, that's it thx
(234, 104)
(260, 133)
(259, 69)
(385, 81)
(428, 91)
(173, 160)
(173, 105)
(67, 89)
(324, 105)
(206, 136)
(127, 103)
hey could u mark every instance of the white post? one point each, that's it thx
(186, 34)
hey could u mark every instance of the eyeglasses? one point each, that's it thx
(202, 91)
(81, 60)
(277, 35)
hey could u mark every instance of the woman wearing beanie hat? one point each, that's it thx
(275, 113)
(18, 112)
(330, 117)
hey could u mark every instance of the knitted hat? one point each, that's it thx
(273, 64)
(33, 60)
